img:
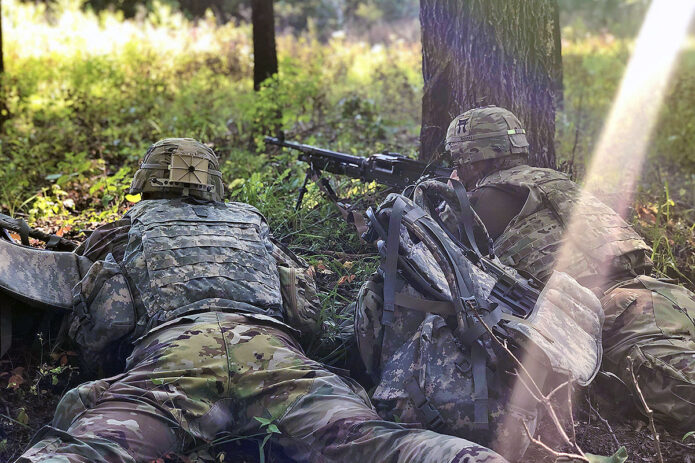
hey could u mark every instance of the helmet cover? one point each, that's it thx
(485, 133)
(182, 165)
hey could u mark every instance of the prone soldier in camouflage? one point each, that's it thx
(193, 288)
(649, 324)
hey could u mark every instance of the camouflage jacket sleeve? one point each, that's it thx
(107, 239)
(299, 294)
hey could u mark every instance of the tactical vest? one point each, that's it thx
(607, 247)
(184, 257)
(419, 332)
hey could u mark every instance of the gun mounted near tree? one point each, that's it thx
(391, 169)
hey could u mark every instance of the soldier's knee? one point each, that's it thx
(77, 401)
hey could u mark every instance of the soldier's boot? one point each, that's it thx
(201, 379)
(650, 330)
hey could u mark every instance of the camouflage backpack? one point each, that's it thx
(419, 330)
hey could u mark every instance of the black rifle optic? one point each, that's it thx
(390, 169)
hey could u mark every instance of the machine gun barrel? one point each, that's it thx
(391, 169)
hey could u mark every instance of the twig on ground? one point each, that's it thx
(604, 421)
(571, 409)
(554, 453)
(15, 421)
(649, 412)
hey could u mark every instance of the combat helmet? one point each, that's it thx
(484, 133)
(179, 166)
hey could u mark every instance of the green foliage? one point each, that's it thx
(618, 457)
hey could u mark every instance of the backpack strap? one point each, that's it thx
(391, 265)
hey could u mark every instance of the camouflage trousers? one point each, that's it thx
(650, 329)
(205, 378)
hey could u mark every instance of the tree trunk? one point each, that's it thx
(501, 52)
(265, 59)
(2, 56)
(4, 111)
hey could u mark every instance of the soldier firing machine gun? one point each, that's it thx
(398, 171)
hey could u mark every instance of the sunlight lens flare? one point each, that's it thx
(616, 164)
(617, 161)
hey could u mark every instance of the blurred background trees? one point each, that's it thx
(265, 57)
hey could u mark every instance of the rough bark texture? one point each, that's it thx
(506, 52)
(265, 60)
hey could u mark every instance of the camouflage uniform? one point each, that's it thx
(193, 287)
(648, 324)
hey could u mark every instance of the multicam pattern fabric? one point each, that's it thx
(648, 324)
(650, 328)
(202, 379)
(608, 246)
(214, 354)
(180, 166)
(485, 133)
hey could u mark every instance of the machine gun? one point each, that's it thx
(390, 169)
(25, 232)
(516, 294)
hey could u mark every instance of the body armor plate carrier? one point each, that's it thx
(607, 247)
(184, 257)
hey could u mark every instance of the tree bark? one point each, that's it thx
(265, 60)
(2, 56)
(4, 111)
(501, 52)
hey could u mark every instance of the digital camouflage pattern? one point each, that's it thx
(485, 133)
(180, 166)
(201, 379)
(608, 246)
(424, 371)
(299, 293)
(183, 256)
(103, 310)
(650, 328)
(42, 278)
(648, 323)
(565, 328)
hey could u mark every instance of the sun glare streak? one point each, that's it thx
(617, 161)
(616, 164)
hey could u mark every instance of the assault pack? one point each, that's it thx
(424, 323)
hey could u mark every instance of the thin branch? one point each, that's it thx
(554, 453)
(650, 414)
(571, 409)
(604, 421)
(536, 392)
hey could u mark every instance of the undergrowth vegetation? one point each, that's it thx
(87, 93)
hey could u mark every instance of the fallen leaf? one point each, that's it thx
(14, 382)
(346, 279)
